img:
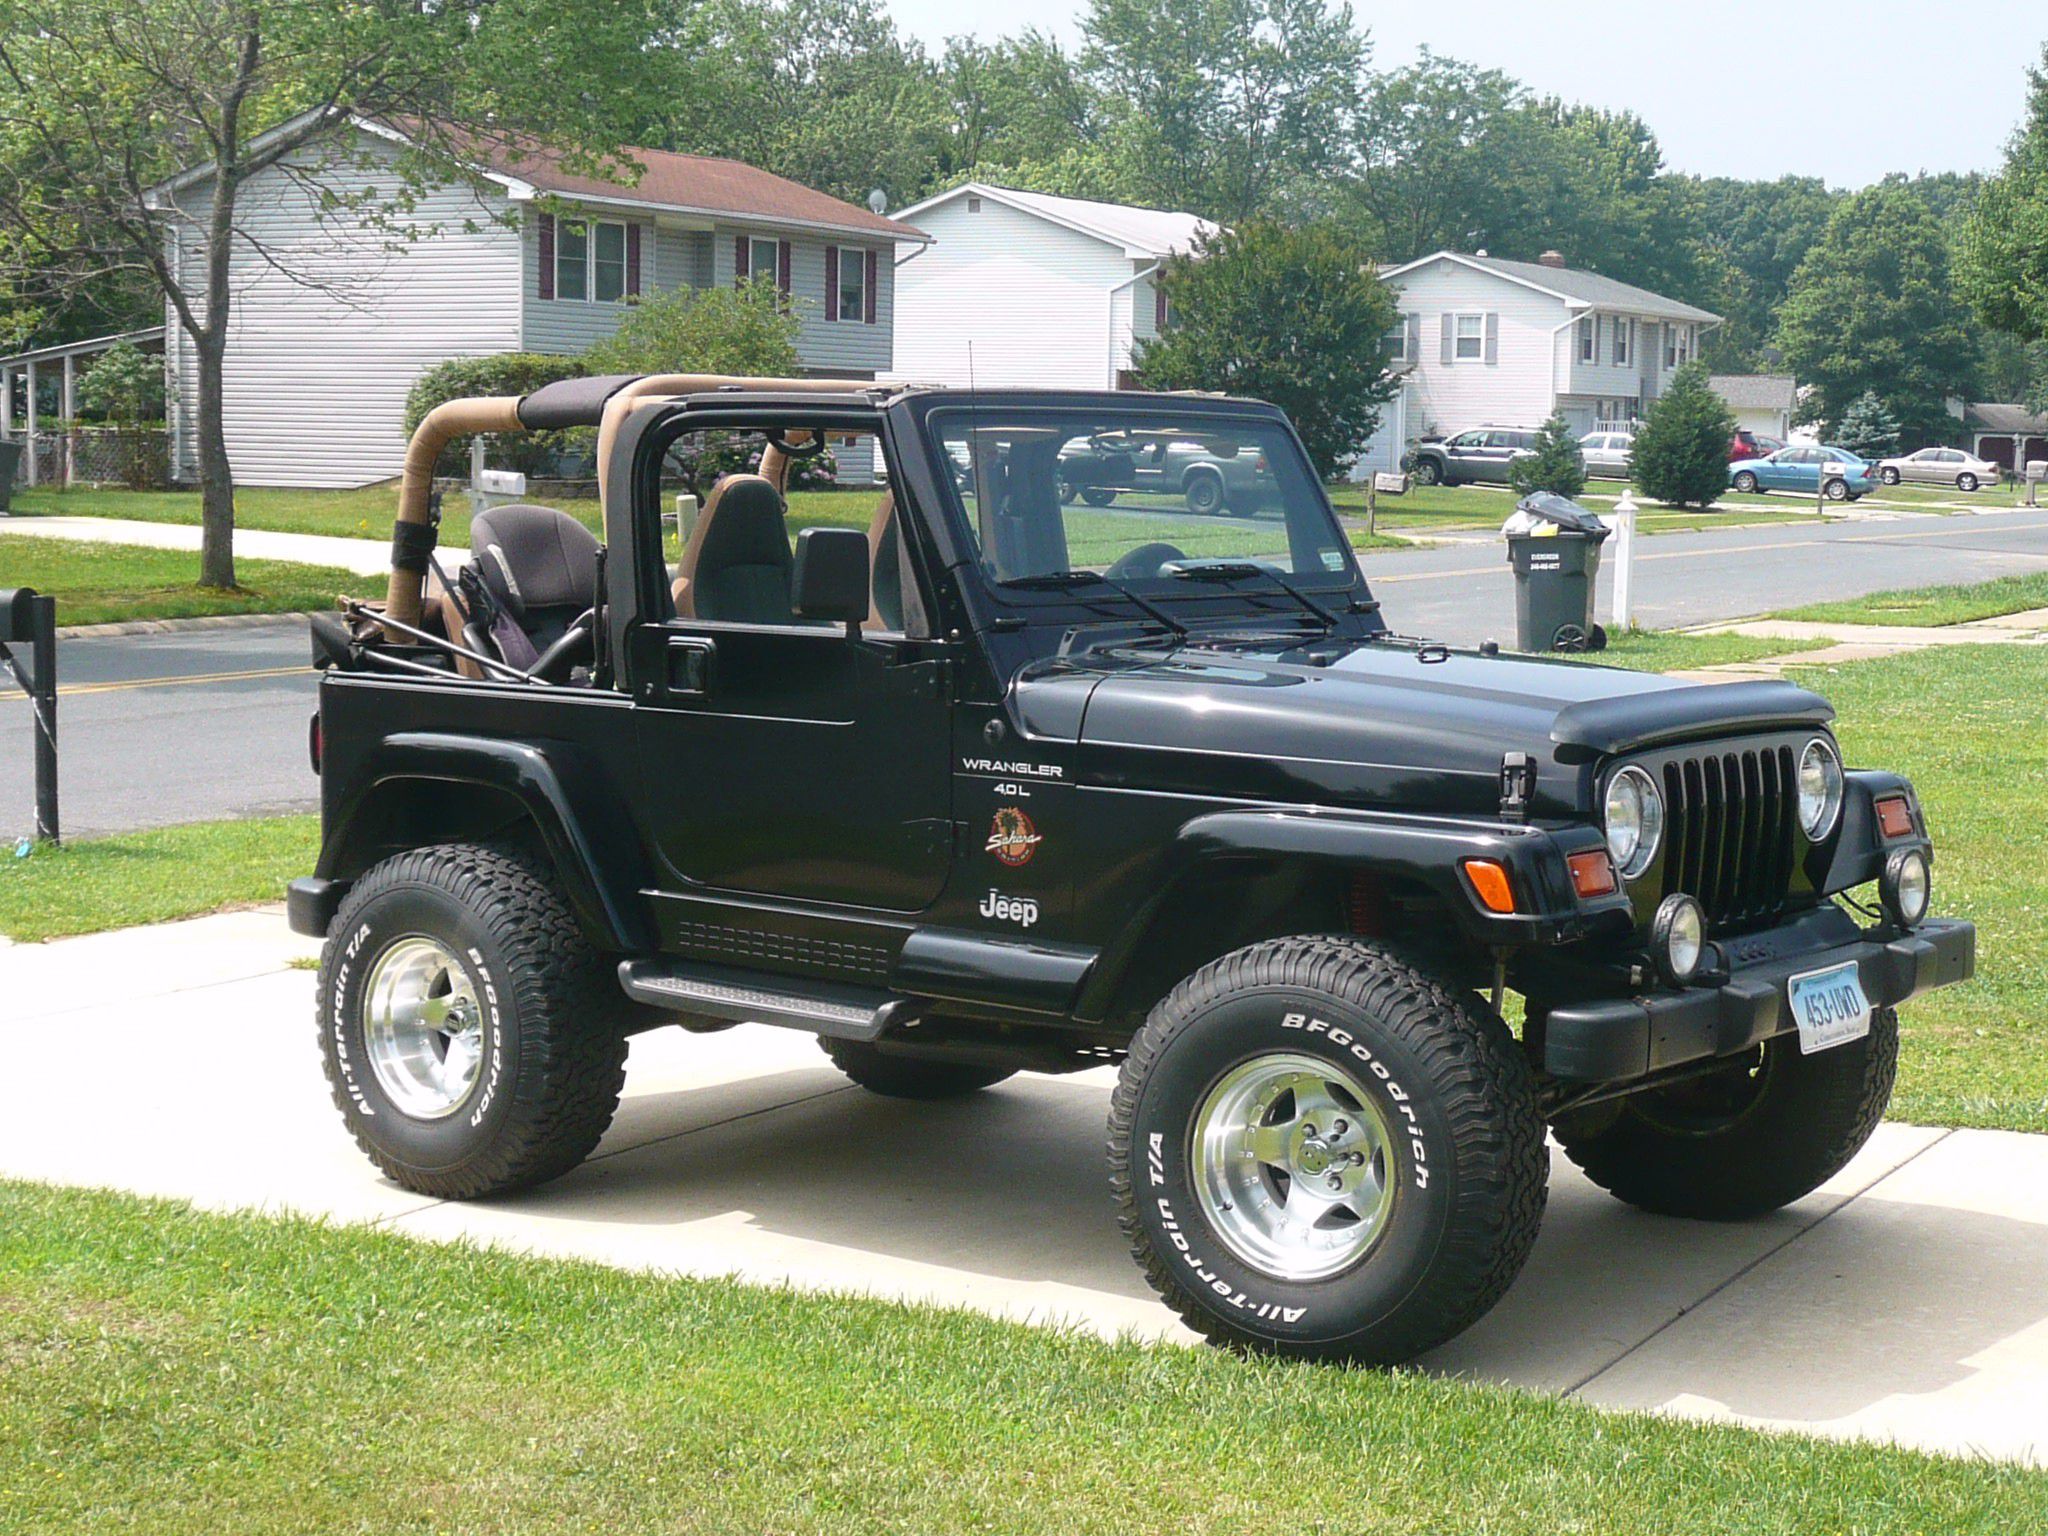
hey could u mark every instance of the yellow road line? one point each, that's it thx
(187, 680)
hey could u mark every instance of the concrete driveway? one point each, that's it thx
(1907, 1301)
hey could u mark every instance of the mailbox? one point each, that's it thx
(17, 609)
(2037, 471)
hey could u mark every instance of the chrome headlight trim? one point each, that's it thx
(1820, 807)
(1632, 814)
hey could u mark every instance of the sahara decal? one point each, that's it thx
(996, 768)
(1013, 838)
(1021, 910)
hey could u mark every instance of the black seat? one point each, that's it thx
(540, 568)
(737, 565)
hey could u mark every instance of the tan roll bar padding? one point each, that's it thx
(443, 424)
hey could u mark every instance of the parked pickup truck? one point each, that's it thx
(1002, 784)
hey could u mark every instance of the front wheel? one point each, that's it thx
(1428, 472)
(1744, 1141)
(1746, 483)
(1966, 482)
(1098, 495)
(1319, 1150)
(472, 1039)
(1889, 476)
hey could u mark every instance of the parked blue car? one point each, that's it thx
(1799, 467)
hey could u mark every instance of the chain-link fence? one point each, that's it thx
(135, 458)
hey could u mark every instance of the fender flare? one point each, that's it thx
(1423, 850)
(591, 862)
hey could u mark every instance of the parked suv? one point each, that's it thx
(1003, 784)
(1482, 454)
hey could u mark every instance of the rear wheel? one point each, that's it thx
(1745, 1141)
(473, 1040)
(1204, 493)
(1319, 1150)
(1837, 489)
(907, 1077)
(1746, 483)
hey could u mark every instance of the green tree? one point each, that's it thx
(1872, 308)
(106, 100)
(1868, 428)
(1286, 315)
(1557, 465)
(1757, 232)
(1680, 457)
(2002, 256)
(1022, 116)
(1227, 108)
(749, 330)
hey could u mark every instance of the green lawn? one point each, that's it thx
(1934, 605)
(1469, 508)
(184, 1374)
(103, 583)
(151, 877)
(1659, 650)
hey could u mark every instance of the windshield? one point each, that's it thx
(1145, 500)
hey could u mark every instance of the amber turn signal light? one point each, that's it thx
(1592, 873)
(1490, 879)
(1894, 816)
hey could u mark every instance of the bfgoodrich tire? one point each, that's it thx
(906, 1077)
(1746, 1141)
(471, 1035)
(1318, 1150)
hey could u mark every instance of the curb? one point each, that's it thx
(174, 626)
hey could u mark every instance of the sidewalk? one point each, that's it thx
(1859, 642)
(365, 557)
(1907, 1301)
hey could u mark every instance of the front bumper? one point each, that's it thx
(1616, 1039)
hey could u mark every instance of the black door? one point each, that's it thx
(792, 761)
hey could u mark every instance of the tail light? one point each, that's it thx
(313, 742)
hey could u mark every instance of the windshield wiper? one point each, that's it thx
(1234, 570)
(1066, 580)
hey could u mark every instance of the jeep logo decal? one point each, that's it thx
(1009, 909)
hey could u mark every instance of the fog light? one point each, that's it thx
(1678, 938)
(1906, 887)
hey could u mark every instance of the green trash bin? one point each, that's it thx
(1554, 547)
(10, 459)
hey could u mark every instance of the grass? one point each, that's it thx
(180, 1373)
(1660, 650)
(1934, 606)
(154, 876)
(1963, 722)
(1476, 508)
(98, 583)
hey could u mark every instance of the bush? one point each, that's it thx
(124, 387)
(1868, 429)
(1680, 457)
(1556, 466)
(503, 373)
(750, 331)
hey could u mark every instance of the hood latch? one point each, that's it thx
(1517, 785)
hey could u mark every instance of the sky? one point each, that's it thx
(1842, 89)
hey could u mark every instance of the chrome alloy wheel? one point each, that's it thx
(1293, 1166)
(423, 1028)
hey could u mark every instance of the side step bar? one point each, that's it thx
(750, 997)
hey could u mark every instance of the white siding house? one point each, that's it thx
(334, 319)
(1760, 402)
(1027, 288)
(1487, 342)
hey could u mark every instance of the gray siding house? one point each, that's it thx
(336, 315)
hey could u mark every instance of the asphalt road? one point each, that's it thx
(158, 729)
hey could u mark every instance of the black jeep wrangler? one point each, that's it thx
(1005, 784)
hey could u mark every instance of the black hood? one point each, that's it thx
(1376, 722)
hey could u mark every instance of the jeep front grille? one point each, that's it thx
(1729, 832)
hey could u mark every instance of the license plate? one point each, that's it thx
(1829, 1007)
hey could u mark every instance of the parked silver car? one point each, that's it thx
(1939, 466)
(1607, 454)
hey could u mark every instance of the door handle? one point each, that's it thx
(691, 665)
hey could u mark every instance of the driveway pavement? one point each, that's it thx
(1907, 1301)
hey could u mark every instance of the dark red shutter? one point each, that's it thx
(831, 282)
(1158, 307)
(546, 227)
(739, 259)
(632, 260)
(782, 266)
(874, 276)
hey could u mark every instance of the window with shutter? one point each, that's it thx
(853, 284)
(1470, 338)
(544, 233)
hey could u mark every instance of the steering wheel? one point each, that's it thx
(789, 450)
(1145, 560)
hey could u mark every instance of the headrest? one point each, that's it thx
(744, 524)
(534, 557)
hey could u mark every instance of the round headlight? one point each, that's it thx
(1678, 938)
(1635, 821)
(1906, 887)
(1820, 788)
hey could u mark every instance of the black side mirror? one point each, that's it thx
(831, 576)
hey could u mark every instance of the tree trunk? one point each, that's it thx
(216, 479)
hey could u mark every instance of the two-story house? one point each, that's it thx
(1028, 288)
(1487, 342)
(338, 310)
